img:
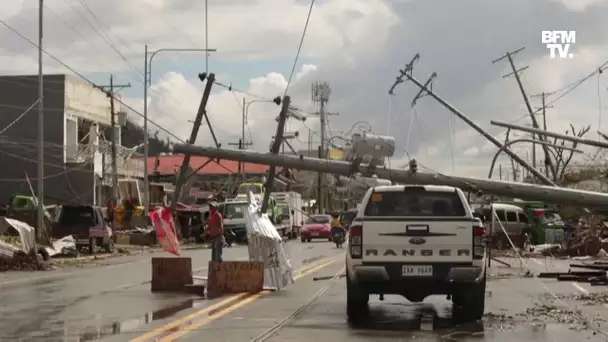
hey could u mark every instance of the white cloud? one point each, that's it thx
(174, 100)
(355, 45)
(238, 29)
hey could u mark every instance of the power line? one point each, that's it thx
(86, 79)
(19, 117)
(295, 62)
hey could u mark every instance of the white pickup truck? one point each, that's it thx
(416, 241)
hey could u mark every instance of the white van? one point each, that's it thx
(514, 219)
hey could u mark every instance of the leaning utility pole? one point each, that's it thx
(407, 73)
(40, 202)
(202, 112)
(544, 109)
(110, 93)
(515, 72)
(276, 146)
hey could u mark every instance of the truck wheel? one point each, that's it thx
(356, 300)
(303, 239)
(469, 303)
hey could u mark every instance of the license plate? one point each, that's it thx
(314, 234)
(416, 271)
(82, 241)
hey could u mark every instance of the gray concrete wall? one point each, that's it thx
(18, 151)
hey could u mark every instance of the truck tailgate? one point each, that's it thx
(422, 240)
(424, 224)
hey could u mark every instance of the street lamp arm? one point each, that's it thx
(153, 53)
(507, 145)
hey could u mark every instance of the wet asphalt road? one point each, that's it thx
(518, 308)
(112, 302)
(107, 299)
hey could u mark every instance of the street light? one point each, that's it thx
(246, 104)
(147, 83)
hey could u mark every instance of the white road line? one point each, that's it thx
(538, 262)
(580, 288)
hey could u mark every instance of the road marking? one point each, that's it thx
(538, 262)
(193, 327)
(185, 319)
(223, 312)
(580, 288)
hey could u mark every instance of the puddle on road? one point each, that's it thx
(428, 322)
(132, 325)
(311, 260)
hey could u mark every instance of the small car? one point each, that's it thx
(316, 227)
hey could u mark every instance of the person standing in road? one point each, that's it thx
(215, 229)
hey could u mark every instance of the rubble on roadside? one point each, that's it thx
(138, 236)
(18, 250)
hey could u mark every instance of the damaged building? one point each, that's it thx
(77, 159)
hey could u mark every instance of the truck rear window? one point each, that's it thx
(415, 202)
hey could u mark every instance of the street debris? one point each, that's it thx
(594, 273)
(18, 250)
(65, 246)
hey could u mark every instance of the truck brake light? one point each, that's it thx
(479, 233)
(355, 239)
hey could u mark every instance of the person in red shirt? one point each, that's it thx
(215, 229)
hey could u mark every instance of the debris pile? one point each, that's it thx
(594, 273)
(137, 237)
(21, 261)
(18, 249)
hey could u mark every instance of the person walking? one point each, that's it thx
(215, 229)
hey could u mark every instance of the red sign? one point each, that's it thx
(165, 230)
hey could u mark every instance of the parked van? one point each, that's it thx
(512, 218)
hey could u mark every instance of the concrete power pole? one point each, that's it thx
(115, 191)
(111, 93)
(40, 231)
(200, 115)
(242, 144)
(274, 150)
(515, 72)
(406, 73)
(544, 110)
(320, 95)
(551, 194)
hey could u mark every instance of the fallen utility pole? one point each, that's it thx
(406, 72)
(574, 139)
(202, 112)
(548, 194)
(276, 146)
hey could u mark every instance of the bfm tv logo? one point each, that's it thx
(559, 41)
